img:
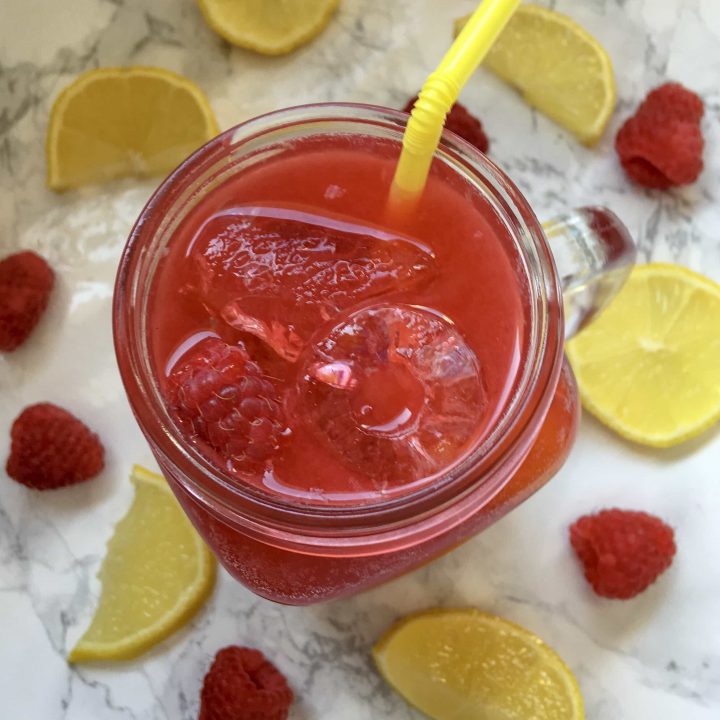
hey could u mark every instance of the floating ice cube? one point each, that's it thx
(394, 390)
(280, 273)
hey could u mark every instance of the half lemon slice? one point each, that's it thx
(649, 366)
(271, 28)
(468, 665)
(118, 122)
(558, 67)
(155, 576)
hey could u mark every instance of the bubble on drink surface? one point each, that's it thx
(395, 391)
(280, 273)
(334, 192)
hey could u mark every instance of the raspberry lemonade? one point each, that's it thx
(336, 398)
(318, 354)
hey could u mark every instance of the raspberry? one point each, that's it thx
(25, 284)
(221, 397)
(660, 156)
(661, 146)
(51, 448)
(622, 551)
(672, 101)
(243, 685)
(462, 123)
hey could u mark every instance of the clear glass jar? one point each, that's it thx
(299, 553)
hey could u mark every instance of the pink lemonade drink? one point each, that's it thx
(336, 398)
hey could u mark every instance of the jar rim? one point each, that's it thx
(475, 479)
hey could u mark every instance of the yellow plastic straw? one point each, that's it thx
(440, 92)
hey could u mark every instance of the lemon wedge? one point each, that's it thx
(649, 366)
(468, 665)
(271, 28)
(155, 576)
(558, 67)
(116, 122)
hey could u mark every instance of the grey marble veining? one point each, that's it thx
(657, 656)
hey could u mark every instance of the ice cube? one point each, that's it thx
(393, 390)
(280, 273)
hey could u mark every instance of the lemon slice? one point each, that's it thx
(468, 665)
(115, 122)
(271, 28)
(649, 366)
(155, 576)
(559, 68)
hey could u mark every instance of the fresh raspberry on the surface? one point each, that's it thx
(51, 448)
(661, 146)
(243, 685)
(672, 101)
(25, 284)
(622, 551)
(660, 155)
(463, 123)
(219, 395)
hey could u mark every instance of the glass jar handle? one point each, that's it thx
(594, 254)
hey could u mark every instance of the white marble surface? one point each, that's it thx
(657, 656)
